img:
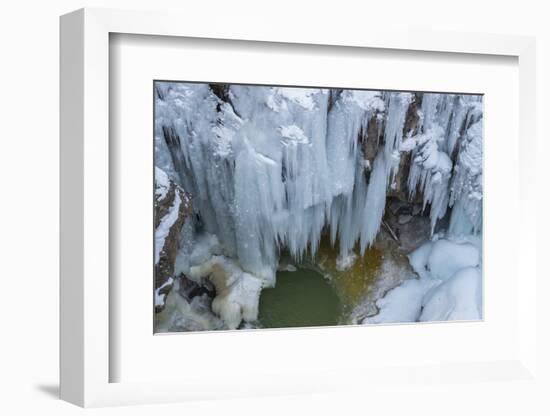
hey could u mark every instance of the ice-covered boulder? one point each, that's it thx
(442, 258)
(458, 298)
(401, 304)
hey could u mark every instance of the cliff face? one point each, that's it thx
(172, 208)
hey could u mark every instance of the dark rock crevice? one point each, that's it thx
(223, 92)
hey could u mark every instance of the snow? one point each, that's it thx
(161, 297)
(165, 225)
(448, 286)
(180, 315)
(458, 298)
(408, 144)
(419, 259)
(344, 262)
(447, 257)
(366, 100)
(162, 184)
(401, 304)
(237, 292)
(300, 96)
(443, 257)
(294, 133)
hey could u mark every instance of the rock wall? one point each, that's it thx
(172, 208)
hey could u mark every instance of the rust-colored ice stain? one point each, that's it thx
(353, 284)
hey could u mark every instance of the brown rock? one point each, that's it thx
(399, 188)
(164, 269)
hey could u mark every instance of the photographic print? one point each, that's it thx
(292, 207)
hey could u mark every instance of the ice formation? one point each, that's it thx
(273, 168)
(444, 120)
(458, 298)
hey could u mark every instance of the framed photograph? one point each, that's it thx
(289, 210)
(288, 207)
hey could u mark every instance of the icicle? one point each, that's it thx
(376, 201)
(444, 118)
(467, 185)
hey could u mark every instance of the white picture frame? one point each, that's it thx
(85, 263)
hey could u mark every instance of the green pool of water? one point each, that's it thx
(300, 298)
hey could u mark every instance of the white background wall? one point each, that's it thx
(29, 57)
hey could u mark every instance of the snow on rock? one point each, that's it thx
(418, 259)
(300, 96)
(401, 304)
(294, 134)
(172, 208)
(237, 292)
(161, 292)
(166, 223)
(204, 246)
(458, 298)
(431, 171)
(447, 257)
(181, 314)
(227, 124)
(408, 144)
(366, 100)
(344, 262)
(162, 184)
(448, 286)
(443, 257)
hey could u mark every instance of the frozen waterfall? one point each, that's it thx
(272, 168)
